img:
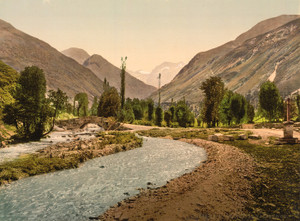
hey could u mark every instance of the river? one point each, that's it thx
(91, 189)
(16, 150)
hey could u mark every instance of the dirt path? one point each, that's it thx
(133, 127)
(216, 190)
(265, 133)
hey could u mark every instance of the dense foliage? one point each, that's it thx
(81, 104)
(8, 82)
(158, 116)
(270, 101)
(213, 89)
(109, 103)
(94, 108)
(31, 111)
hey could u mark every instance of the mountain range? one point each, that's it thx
(134, 88)
(19, 50)
(168, 71)
(269, 50)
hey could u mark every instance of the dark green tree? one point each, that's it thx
(250, 113)
(126, 114)
(298, 106)
(123, 71)
(31, 112)
(172, 110)
(105, 85)
(168, 118)
(138, 111)
(8, 82)
(82, 104)
(109, 103)
(238, 107)
(270, 100)
(213, 89)
(183, 114)
(158, 116)
(225, 112)
(150, 109)
(58, 100)
(94, 108)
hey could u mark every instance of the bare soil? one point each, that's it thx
(265, 133)
(216, 190)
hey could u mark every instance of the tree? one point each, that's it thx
(158, 116)
(250, 113)
(138, 111)
(213, 89)
(150, 109)
(225, 112)
(298, 105)
(237, 106)
(94, 108)
(123, 71)
(58, 100)
(168, 118)
(82, 104)
(8, 82)
(31, 112)
(270, 100)
(183, 114)
(105, 85)
(109, 103)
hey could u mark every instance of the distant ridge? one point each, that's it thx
(77, 54)
(104, 69)
(271, 46)
(19, 50)
(168, 71)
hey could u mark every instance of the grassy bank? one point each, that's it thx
(67, 156)
(275, 188)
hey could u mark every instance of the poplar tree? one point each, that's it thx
(123, 71)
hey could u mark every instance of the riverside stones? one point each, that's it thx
(243, 137)
(220, 137)
(254, 137)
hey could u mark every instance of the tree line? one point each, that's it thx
(33, 113)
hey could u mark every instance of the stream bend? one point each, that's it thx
(90, 190)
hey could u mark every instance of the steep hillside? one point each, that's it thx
(77, 54)
(245, 62)
(168, 71)
(19, 50)
(104, 69)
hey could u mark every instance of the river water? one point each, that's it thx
(90, 190)
(16, 150)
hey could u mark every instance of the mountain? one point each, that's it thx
(134, 88)
(168, 71)
(19, 50)
(270, 47)
(77, 54)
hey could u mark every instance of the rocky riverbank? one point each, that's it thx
(67, 155)
(216, 190)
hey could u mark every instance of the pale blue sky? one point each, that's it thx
(149, 32)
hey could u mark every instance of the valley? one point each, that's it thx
(83, 137)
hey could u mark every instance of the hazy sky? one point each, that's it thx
(149, 32)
